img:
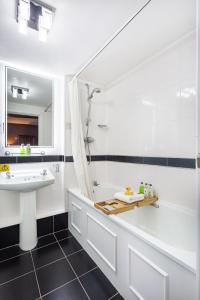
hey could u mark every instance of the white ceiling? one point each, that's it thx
(40, 89)
(80, 28)
(160, 23)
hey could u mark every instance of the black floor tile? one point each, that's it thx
(97, 285)
(15, 267)
(71, 291)
(118, 297)
(45, 240)
(10, 252)
(46, 255)
(23, 288)
(63, 234)
(70, 245)
(81, 262)
(54, 275)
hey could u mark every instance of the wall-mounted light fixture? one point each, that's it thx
(36, 15)
(19, 91)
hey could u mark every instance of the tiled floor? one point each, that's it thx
(57, 269)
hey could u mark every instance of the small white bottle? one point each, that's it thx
(146, 190)
(151, 191)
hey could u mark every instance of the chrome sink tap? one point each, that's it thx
(95, 183)
(44, 172)
(8, 175)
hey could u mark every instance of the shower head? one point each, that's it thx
(95, 90)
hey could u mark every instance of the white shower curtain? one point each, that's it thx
(77, 140)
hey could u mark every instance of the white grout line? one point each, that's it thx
(52, 262)
(35, 275)
(20, 254)
(9, 247)
(14, 257)
(67, 283)
(75, 252)
(65, 238)
(73, 270)
(32, 271)
(35, 249)
(58, 288)
(88, 271)
(38, 239)
(113, 296)
(60, 230)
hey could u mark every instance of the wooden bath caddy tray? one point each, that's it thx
(117, 206)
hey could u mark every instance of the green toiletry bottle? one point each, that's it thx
(141, 188)
(28, 149)
(22, 149)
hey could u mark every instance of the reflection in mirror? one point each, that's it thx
(29, 109)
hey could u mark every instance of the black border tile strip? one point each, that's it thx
(69, 159)
(198, 162)
(155, 161)
(30, 159)
(189, 163)
(182, 162)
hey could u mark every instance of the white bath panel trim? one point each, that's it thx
(145, 274)
(76, 221)
(103, 241)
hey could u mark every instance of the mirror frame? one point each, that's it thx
(6, 112)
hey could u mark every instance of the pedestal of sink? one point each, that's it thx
(28, 224)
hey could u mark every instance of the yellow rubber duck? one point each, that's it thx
(128, 191)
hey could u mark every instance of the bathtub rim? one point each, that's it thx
(144, 236)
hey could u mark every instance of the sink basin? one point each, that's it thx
(26, 180)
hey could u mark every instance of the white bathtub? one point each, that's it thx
(165, 236)
(170, 228)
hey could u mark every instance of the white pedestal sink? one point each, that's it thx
(26, 182)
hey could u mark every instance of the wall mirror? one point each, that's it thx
(29, 109)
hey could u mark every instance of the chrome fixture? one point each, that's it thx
(36, 15)
(95, 183)
(88, 139)
(7, 153)
(44, 172)
(48, 107)
(156, 205)
(19, 91)
(103, 126)
(8, 175)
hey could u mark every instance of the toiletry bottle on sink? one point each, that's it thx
(22, 149)
(141, 188)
